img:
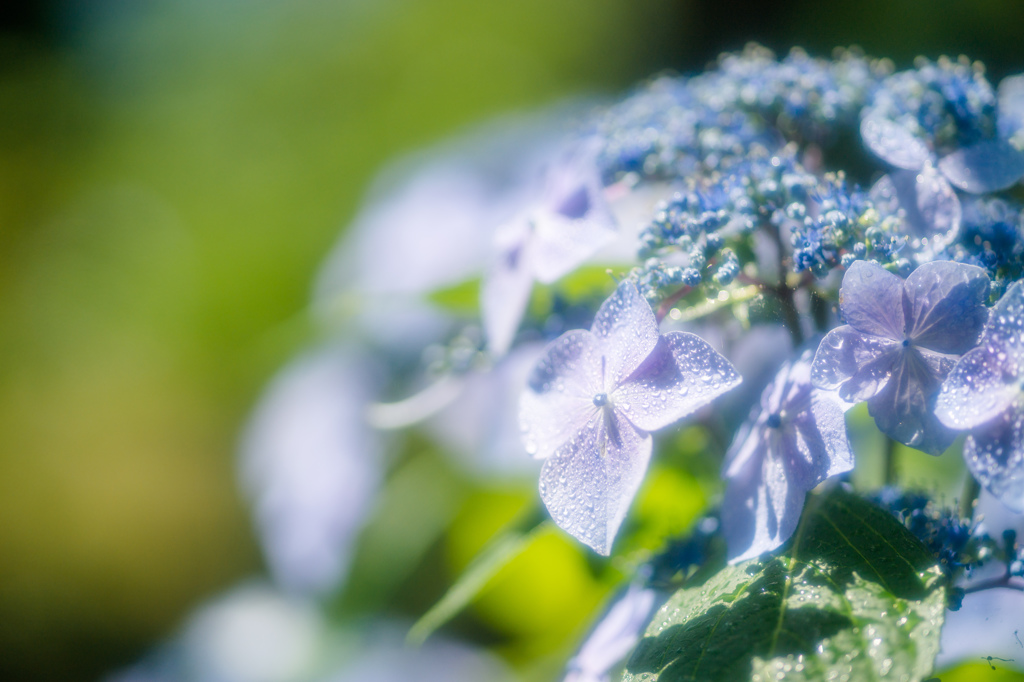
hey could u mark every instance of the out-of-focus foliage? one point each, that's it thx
(171, 174)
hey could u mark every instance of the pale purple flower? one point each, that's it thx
(900, 342)
(925, 202)
(429, 218)
(917, 191)
(795, 439)
(614, 637)
(983, 393)
(311, 466)
(567, 224)
(592, 401)
(988, 165)
(920, 190)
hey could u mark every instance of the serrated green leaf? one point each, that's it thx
(491, 559)
(854, 597)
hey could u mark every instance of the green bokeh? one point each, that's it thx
(171, 175)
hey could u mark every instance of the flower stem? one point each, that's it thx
(970, 496)
(1005, 581)
(790, 315)
(889, 461)
(666, 305)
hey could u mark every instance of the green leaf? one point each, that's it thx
(460, 299)
(854, 597)
(491, 559)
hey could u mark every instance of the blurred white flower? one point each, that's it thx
(254, 633)
(481, 425)
(311, 466)
(384, 657)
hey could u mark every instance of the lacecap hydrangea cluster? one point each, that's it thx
(757, 248)
(899, 292)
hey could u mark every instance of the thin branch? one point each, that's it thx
(666, 305)
(1004, 581)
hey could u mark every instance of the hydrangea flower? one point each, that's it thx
(900, 341)
(592, 401)
(926, 205)
(570, 222)
(941, 125)
(983, 393)
(311, 465)
(946, 115)
(795, 439)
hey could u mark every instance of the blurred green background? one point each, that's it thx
(171, 175)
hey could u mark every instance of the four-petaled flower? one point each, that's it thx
(592, 401)
(569, 222)
(920, 189)
(900, 342)
(986, 161)
(984, 393)
(795, 439)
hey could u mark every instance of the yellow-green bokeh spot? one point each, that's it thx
(542, 595)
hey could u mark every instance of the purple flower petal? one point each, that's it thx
(987, 166)
(311, 466)
(589, 482)
(939, 365)
(871, 300)
(562, 244)
(761, 508)
(572, 220)
(987, 379)
(929, 207)
(614, 637)
(855, 364)
(627, 331)
(505, 291)
(979, 389)
(796, 440)
(682, 374)
(1006, 324)
(559, 397)
(903, 409)
(1011, 106)
(995, 456)
(944, 305)
(893, 143)
(824, 430)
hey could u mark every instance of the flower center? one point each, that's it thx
(906, 342)
(601, 399)
(774, 420)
